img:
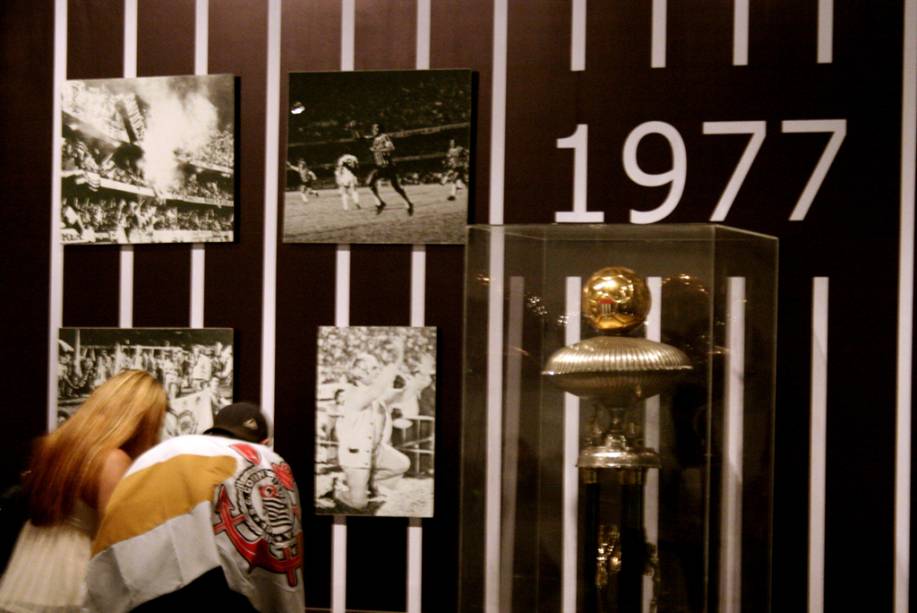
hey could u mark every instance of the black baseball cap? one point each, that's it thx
(242, 420)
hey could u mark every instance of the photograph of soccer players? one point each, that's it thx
(194, 365)
(148, 160)
(375, 419)
(378, 157)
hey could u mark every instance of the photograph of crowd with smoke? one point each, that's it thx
(375, 421)
(194, 365)
(148, 160)
(378, 157)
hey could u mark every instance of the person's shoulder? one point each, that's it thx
(116, 460)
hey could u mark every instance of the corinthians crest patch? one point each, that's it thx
(257, 510)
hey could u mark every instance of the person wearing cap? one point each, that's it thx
(209, 518)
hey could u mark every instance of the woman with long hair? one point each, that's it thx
(72, 473)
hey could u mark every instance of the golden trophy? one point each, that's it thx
(616, 371)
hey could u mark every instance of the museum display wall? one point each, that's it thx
(786, 121)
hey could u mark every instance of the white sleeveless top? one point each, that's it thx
(47, 569)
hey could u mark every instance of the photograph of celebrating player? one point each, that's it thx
(398, 140)
(375, 421)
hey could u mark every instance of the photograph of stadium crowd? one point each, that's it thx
(148, 160)
(378, 157)
(375, 421)
(194, 365)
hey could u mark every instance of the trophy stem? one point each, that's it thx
(613, 469)
(590, 562)
(633, 549)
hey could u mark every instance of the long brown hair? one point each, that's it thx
(124, 412)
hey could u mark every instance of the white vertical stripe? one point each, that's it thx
(415, 529)
(498, 113)
(271, 181)
(423, 35)
(201, 41)
(342, 286)
(56, 267)
(651, 438)
(825, 30)
(126, 287)
(415, 556)
(418, 296)
(578, 36)
(730, 598)
(348, 27)
(418, 284)
(818, 401)
(126, 260)
(201, 35)
(660, 14)
(339, 530)
(494, 407)
(571, 455)
(740, 33)
(130, 39)
(905, 310)
(342, 318)
(338, 564)
(512, 403)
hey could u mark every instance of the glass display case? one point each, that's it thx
(617, 443)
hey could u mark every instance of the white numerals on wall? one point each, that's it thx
(579, 142)
(756, 129)
(676, 176)
(838, 129)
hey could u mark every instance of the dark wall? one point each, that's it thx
(850, 233)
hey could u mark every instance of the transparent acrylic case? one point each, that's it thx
(540, 534)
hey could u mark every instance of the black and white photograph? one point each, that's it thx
(378, 157)
(194, 365)
(375, 421)
(148, 160)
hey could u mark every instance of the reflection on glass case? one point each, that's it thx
(618, 419)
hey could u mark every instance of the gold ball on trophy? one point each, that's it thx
(615, 299)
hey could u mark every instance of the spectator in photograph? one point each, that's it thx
(104, 367)
(383, 150)
(79, 378)
(168, 366)
(409, 385)
(216, 398)
(136, 359)
(71, 219)
(226, 361)
(212, 519)
(122, 358)
(202, 369)
(456, 168)
(365, 454)
(306, 179)
(71, 477)
(345, 176)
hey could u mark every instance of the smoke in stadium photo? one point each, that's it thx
(148, 160)
(378, 157)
